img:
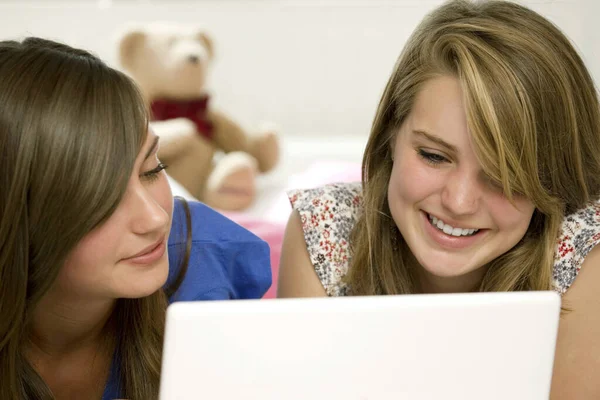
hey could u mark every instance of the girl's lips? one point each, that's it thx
(448, 241)
(149, 255)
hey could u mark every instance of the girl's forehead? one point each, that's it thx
(440, 97)
(438, 111)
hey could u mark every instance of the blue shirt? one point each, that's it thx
(226, 262)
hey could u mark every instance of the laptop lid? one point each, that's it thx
(442, 346)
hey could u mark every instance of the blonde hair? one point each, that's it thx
(533, 112)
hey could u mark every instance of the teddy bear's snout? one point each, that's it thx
(194, 59)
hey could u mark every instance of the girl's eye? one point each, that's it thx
(432, 158)
(152, 175)
(495, 185)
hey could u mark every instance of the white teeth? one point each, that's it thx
(450, 230)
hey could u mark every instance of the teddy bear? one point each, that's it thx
(206, 151)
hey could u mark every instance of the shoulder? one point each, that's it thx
(208, 225)
(331, 209)
(577, 357)
(579, 234)
(341, 195)
(225, 259)
(327, 216)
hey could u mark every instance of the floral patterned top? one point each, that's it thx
(328, 214)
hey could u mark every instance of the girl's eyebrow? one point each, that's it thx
(153, 148)
(436, 139)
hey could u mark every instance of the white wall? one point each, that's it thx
(314, 67)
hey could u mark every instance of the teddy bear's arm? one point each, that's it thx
(228, 135)
(175, 136)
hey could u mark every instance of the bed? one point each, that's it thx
(306, 162)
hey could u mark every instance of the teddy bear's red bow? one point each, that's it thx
(194, 110)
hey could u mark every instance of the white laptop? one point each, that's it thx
(452, 346)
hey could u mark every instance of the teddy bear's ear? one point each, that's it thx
(207, 41)
(129, 44)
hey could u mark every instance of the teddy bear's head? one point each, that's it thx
(167, 60)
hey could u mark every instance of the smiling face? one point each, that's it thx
(126, 256)
(453, 218)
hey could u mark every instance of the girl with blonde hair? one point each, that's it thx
(481, 173)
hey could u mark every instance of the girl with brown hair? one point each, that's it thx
(93, 247)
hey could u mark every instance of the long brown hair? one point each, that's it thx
(70, 131)
(532, 110)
